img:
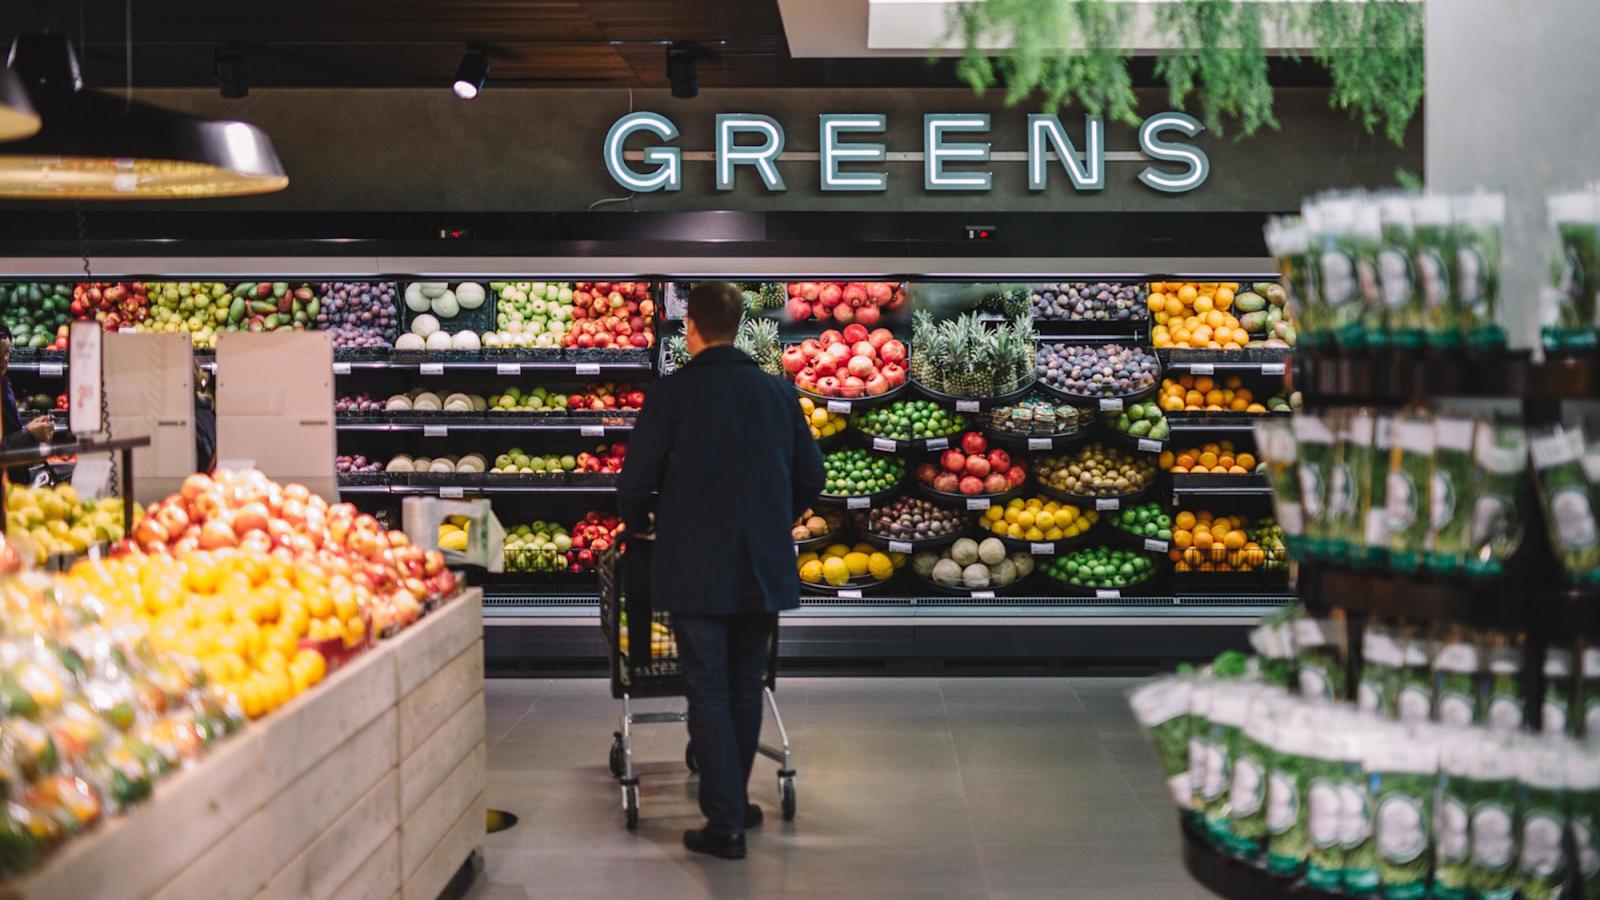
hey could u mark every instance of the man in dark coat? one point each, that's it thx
(17, 435)
(724, 446)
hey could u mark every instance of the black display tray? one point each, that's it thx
(866, 501)
(832, 537)
(836, 440)
(1234, 878)
(861, 585)
(972, 593)
(974, 404)
(855, 403)
(1123, 538)
(363, 479)
(1144, 588)
(1086, 501)
(932, 543)
(1104, 404)
(927, 492)
(593, 479)
(1506, 603)
(902, 447)
(1133, 442)
(1013, 441)
(1055, 548)
(1398, 376)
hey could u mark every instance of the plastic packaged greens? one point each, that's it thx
(1583, 784)
(1252, 762)
(1555, 712)
(1343, 528)
(1230, 703)
(1449, 514)
(1366, 237)
(1319, 646)
(1356, 807)
(1162, 708)
(1414, 698)
(1287, 243)
(1498, 491)
(1541, 771)
(1358, 460)
(1314, 441)
(1568, 500)
(1288, 832)
(1494, 811)
(1573, 297)
(1380, 672)
(1375, 534)
(1339, 264)
(1315, 318)
(1277, 447)
(1587, 704)
(1480, 220)
(1407, 491)
(1403, 764)
(1456, 669)
(1452, 837)
(1200, 695)
(1504, 709)
(1273, 641)
(1325, 773)
(1397, 274)
(1435, 263)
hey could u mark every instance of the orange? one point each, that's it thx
(1246, 461)
(1255, 408)
(1238, 470)
(1194, 400)
(1186, 459)
(1225, 460)
(1203, 303)
(1188, 293)
(1193, 556)
(1238, 404)
(1208, 459)
(1182, 539)
(1233, 540)
(1156, 301)
(1165, 459)
(1202, 540)
(1224, 297)
(1204, 384)
(1184, 520)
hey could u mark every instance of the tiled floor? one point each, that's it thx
(947, 787)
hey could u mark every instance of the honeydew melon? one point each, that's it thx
(397, 402)
(469, 294)
(439, 340)
(465, 340)
(471, 463)
(409, 341)
(444, 466)
(415, 301)
(400, 463)
(427, 401)
(424, 325)
(478, 403)
(445, 306)
(433, 289)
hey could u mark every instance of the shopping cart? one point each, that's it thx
(644, 663)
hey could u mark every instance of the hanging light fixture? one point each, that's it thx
(17, 118)
(471, 74)
(94, 146)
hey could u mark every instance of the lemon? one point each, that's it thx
(1016, 503)
(835, 572)
(1025, 518)
(1068, 515)
(808, 556)
(861, 547)
(1013, 516)
(1014, 531)
(806, 406)
(811, 571)
(879, 566)
(1054, 534)
(856, 562)
(1033, 534)
(819, 417)
(994, 513)
(1045, 519)
(835, 550)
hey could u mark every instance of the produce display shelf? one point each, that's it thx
(1104, 404)
(899, 446)
(1133, 591)
(973, 502)
(1134, 442)
(856, 587)
(847, 405)
(836, 440)
(816, 543)
(1264, 361)
(1042, 548)
(1102, 504)
(866, 501)
(1039, 442)
(1107, 331)
(1500, 603)
(974, 404)
(447, 490)
(1225, 485)
(1395, 376)
(1126, 538)
(1234, 878)
(989, 593)
(1212, 422)
(897, 545)
(44, 368)
(429, 429)
(577, 368)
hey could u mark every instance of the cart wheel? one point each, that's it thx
(688, 758)
(630, 805)
(616, 756)
(786, 796)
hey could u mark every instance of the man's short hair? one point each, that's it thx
(716, 307)
(5, 332)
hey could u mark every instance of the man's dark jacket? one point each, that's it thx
(730, 454)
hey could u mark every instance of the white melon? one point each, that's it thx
(465, 340)
(415, 301)
(439, 340)
(432, 289)
(424, 325)
(442, 466)
(470, 294)
(409, 341)
(427, 401)
(401, 463)
(445, 306)
(398, 402)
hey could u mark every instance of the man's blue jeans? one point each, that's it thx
(724, 662)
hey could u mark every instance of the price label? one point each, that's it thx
(967, 406)
(1042, 549)
(883, 444)
(1107, 594)
(341, 368)
(983, 595)
(1155, 545)
(899, 547)
(1149, 446)
(851, 594)
(435, 431)
(126, 330)
(977, 503)
(587, 368)
(938, 443)
(508, 369)
(50, 369)
(1202, 369)
(839, 406)
(1272, 368)
(1107, 503)
(1111, 404)
(450, 493)
(431, 368)
(1040, 444)
(591, 431)
(858, 503)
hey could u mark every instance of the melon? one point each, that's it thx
(445, 306)
(947, 572)
(1003, 573)
(409, 341)
(439, 340)
(991, 551)
(432, 289)
(427, 401)
(469, 294)
(415, 301)
(424, 325)
(964, 552)
(443, 466)
(923, 564)
(421, 464)
(472, 462)
(465, 340)
(1024, 564)
(975, 576)
(478, 403)
(401, 463)
(398, 402)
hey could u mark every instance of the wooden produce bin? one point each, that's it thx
(370, 784)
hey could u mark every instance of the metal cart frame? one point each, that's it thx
(638, 672)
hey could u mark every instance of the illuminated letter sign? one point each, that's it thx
(1045, 133)
(834, 153)
(668, 160)
(1197, 163)
(764, 156)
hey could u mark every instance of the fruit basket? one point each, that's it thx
(909, 524)
(526, 479)
(1101, 503)
(1127, 572)
(1145, 525)
(892, 428)
(1039, 525)
(859, 585)
(967, 501)
(1136, 443)
(993, 590)
(847, 405)
(1078, 373)
(814, 529)
(861, 501)
(973, 567)
(853, 469)
(818, 542)
(1017, 440)
(964, 404)
(450, 479)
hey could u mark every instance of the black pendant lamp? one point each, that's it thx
(95, 146)
(17, 118)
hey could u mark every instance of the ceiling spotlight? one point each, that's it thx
(17, 118)
(683, 70)
(231, 72)
(471, 74)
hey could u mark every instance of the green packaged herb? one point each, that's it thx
(1498, 490)
(1273, 642)
(1494, 810)
(1587, 703)
(1480, 221)
(1325, 773)
(1381, 659)
(1541, 771)
(1449, 515)
(1319, 651)
(1568, 501)
(1316, 319)
(1162, 709)
(1342, 527)
(1407, 493)
(1414, 697)
(1403, 763)
(1230, 703)
(1583, 784)
(1384, 457)
(1358, 459)
(1288, 807)
(1252, 763)
(1571, 302)
(1456, 677)
(1340, 267)
(1366, 239)
(1397, 273)
(1504, 709)
(1435, 243)
(1452, 837)
(1315, 442)
(1278, 449)
(1356, 807)
(1200, 694)
(1555, 712)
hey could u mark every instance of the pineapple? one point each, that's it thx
(773, 294)
(928, 342)
(759, 339)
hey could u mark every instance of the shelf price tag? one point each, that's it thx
(839, 406)
(1107, 594)
(1149, 446)
(1202, 369)
(850, 594)
(587, 368)
(1046, 549)
(50, 369)
(1040, 443)
(431, 369)
(1155, 545)
(968, 406)
(341, 368)
(508, 369)
(1272, 368)
(900, 547)
(1111, 404)
(858, 503)
(983, 595)
(938, 443)
(977, 503)
(885, 444)
(450, 493)
(435, 431)
(591, 431)
(1104, 503)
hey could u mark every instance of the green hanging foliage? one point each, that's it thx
(1073, 52)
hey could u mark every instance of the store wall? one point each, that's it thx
(540, 150)
(1514, 103)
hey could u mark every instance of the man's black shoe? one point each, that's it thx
(753, 816)
(723, 846)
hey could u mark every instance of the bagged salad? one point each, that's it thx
(1449, 513)
(1252, 765)
(1541, 773)
(1456, 670)
(1230, 706)
(1503, 711)
(1480, 220)
(1586, 705)
(1278, 449)
(1397, 273)
(1288, 805)
(1162, 709)
(1494, 804)
(1320, 652)
(1498, 494)
(1555, 713)
(1381, 659)
(1568, 500)
(1414, 696)
(1403, 763)
(1407, 492)
(1315, 444)
(1325, 777)
(1435, 248)
(1341, 249)
(1358, 461)
(1452, 836)
(1571, 302)
(1356, 810)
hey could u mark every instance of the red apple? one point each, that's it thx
(953, 460)
(974, 444)
(999, 460)
(977, 465)
(971, 484)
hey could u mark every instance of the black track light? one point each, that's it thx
(683, 70)
(231, 73)
(471, 74)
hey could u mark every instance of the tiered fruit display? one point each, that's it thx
(362, 403)
(843, 302)
(606, 398)
(360, 315)
(114, 304)
(1140, 420)
(850, 363)
(607, 315)
(910, 519)
(839, 564)
(1147, 520)
(910, 420)
(1105, 370)
(962, 357)
(822, 422)
(1201, 315)
(428, 333)
(538, 547)
(813, 524)
(535, 400)
(54, 521)
(605, 460)
(857, 473)
(974, 565)
(1203, 542)
(1203, 393)
(356, 464)
(1101, 301)
(595, 532)
(1038, 519)
(1096, 470)
(971, 467)
(451, 464)
(1037, 415)
(205, 309)
(517, 462)
(37, 313)
(420, 400)
(436, 306)
(1210, 459)
(41, 403)
(530, 314)
(93, 714)
(1101, 568)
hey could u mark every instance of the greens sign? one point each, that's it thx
(757, 142)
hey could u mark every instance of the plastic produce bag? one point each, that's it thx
(1583, 784)
(1494, 804)
(1414, 697)
(1252, 763)
(1498, 493)
(1316, 319)
(1200, 697)
(1288, 806)
(1273, 641)
(1541, 771)
(1436, 260)
(1341, 253)
(1480, 220)
(1356, 806)
(1315, 443)
(1325, 774)
(1406, 496)
(1452, 813)
(1397, 273)
(1278, 448)
(1319, 648)
(1456, 669)
(1403, 763)
(1162, 708)
(1572, 300)
(1343, 527)
(1568, 500)
(1230, 705)
(1358, 461)
(1504, 710)
(1366, 237)
(1555, 712)
(1381, 659)
(1449, 513)
(1587, 703)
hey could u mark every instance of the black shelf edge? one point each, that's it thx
(1394, 376)
(1505, 603)
(1234, 878)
